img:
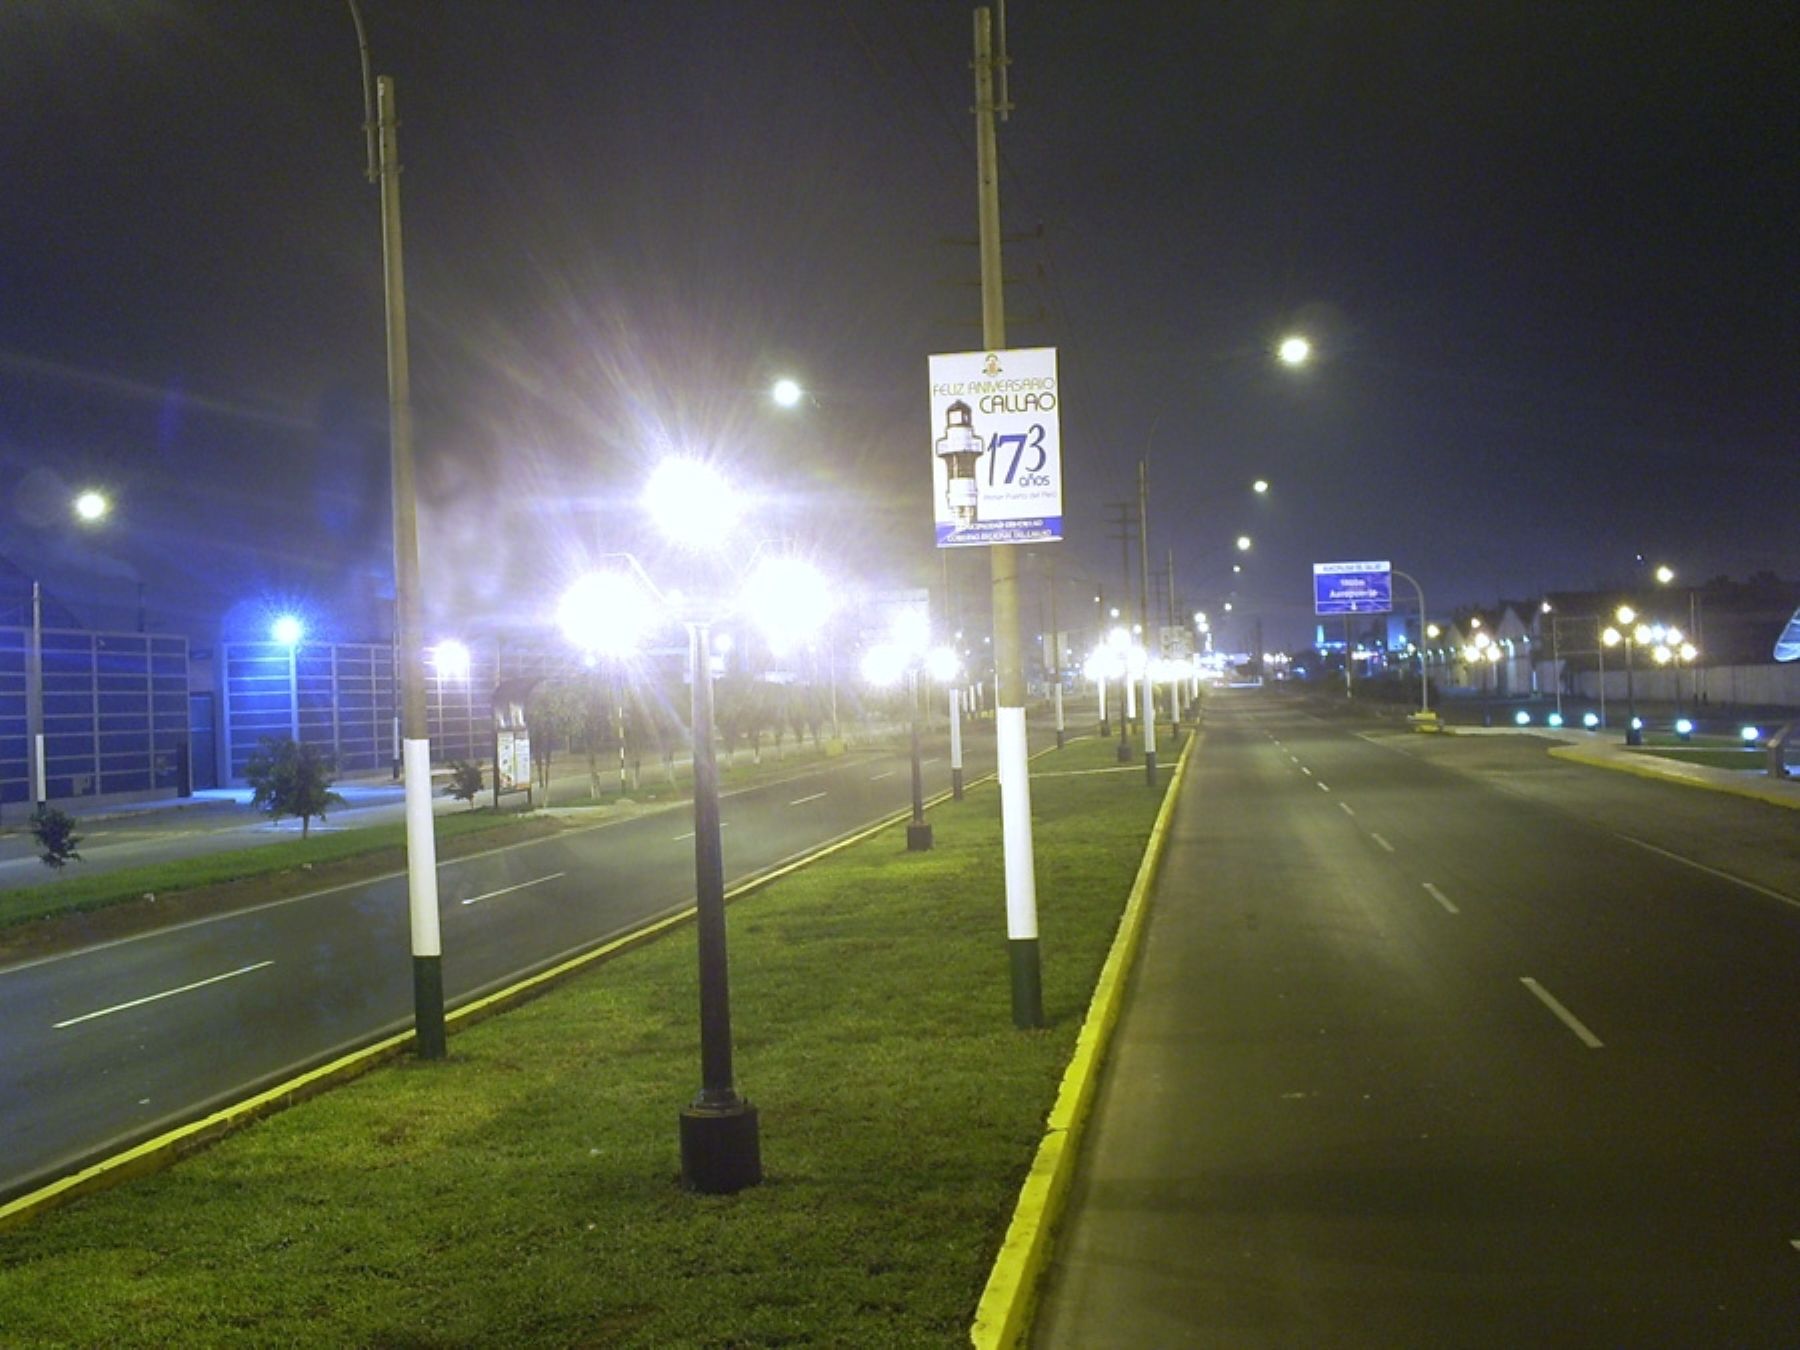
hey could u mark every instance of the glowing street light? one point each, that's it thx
(692, 503)
(287, 630)
(1260, 487)
(91, 506)
(786, 393)
(1243, 543)
(1294, 350)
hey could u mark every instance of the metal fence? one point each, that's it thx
(115, 713)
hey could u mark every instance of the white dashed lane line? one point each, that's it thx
(152, 998)
(802, 801)
(1563, 1015)
(1441, 898)
(508, 890)
(1347, 810)
(1387, 847)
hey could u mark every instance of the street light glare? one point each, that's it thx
(1294, 351)
(942, 664)
(1243, 543)
(450, 658)
(91, 505)
(1665, 574)
(287, 630)
(789, 600)
(691, 502)
(607, 613)
(884, 664)
(786, 393)
(1260, 486)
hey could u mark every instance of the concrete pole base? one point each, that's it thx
(918, 836)
(721, 1149)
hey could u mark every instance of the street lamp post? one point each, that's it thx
(721, 1148)
(918, 829)
(1424, 680)
(1629, 636)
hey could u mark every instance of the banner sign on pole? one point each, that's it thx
(1353, 588)
(996, 461)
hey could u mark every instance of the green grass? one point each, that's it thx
(525, 1191)
(75, 893)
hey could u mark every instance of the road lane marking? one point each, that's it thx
(1378, 839)
(889, 774)
(1712, 871)
(723, 825)
(1441, 898)
(924, 762)
(1563, 1015)
(802, 801)
(508, 890)
(1347, 810)
(1323, 788)
(152, 998)
(1303, 769)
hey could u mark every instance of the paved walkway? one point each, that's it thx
(1608, 751)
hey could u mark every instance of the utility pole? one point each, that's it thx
(1149, 699)
(421, 842)
(1121, 525)
(1056, 659)
(1009, 675)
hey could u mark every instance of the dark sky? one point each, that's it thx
(1549, 254)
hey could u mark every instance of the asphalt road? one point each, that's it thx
(115, 1042)
(1437, 1042)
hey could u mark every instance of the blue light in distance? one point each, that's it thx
(1590, 720)
(1522, 718)
(1751, 734)
(287, 630)
(1554, 719)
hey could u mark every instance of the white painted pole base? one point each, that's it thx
(422, 900)
(1021, 871)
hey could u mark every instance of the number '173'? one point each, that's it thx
(1017, 444)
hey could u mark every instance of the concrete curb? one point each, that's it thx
(1668, 771)
(1003, 1316)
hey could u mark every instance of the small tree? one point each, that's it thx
(290, 779)
(554, 714)
(465, 781)
(55, 834)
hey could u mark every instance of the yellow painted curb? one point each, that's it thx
(1003, 1316)
(1754, 791)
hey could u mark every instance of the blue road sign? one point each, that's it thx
(1353, 588)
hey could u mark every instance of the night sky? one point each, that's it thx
(1549, 256)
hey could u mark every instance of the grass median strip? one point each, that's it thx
(525, 1191)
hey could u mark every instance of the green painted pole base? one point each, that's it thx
(1027, 984)
(428, 1006)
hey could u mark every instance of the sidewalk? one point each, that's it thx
(1607, 751)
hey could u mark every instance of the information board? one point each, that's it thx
(1353, 588)
(996, 447)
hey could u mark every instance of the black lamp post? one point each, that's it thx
(721, 1150)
